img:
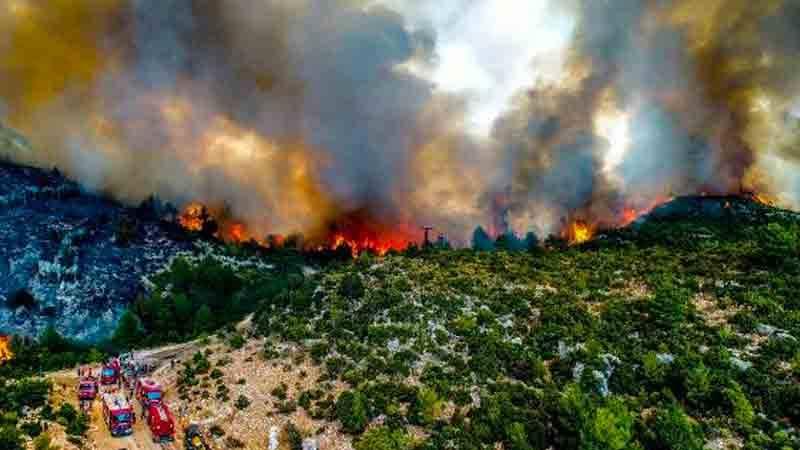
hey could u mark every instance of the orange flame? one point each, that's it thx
(579, 232)
(362, 232)
(5, 349)
(235, 232)
(379, 247)
(192, 216)
(764, 199)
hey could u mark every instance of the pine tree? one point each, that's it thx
(203, 320)
(128, 332)
(481, 240)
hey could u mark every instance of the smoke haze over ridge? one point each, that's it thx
(297, 114)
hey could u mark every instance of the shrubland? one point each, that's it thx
(669, 334)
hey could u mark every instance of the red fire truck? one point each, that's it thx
(160, 422)
(110, 372)
(148, 391)
(87, 388)
(118, 414)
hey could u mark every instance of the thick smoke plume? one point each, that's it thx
(316, 116)
(658, 98)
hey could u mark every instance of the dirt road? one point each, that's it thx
(99, 436)
(139, 440)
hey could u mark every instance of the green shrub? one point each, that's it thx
(742, 409)
(280, 391)
(242, 402)
(429, 406)
(698, 383)
(518, 437)
(10, 438)
(610, 428)
(351, 410)
(384, 438)
(237, 341)
(43, 442)
(352, 287)
(677, 431)
(669, 307)
(294, 437)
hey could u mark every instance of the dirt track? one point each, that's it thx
(99, 436)
(139, 440)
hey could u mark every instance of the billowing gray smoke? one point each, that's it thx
(303, 115)
(689, 93)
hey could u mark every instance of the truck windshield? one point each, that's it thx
(123, 417)
(154, 395)
(109, 372)
(87, 387)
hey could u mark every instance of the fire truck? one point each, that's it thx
(148, 391)
(87, 388)
(160, 421)
(118, 414)
(110, 372)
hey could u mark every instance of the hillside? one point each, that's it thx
(679, 332)
(676, 333)
(70, 258)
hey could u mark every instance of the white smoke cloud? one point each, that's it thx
(490, 50)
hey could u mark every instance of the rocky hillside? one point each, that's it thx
(69, 258)
(680, 332)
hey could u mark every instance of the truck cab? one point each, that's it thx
(118, 414)
(87, 388)
(110, 373)
(160, 422)
(148, 391)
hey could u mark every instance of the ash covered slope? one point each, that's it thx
(79, 256)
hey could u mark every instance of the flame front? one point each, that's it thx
(579, 232)
(191, 219)
(6, 354)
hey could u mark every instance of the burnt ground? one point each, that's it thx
(71, 258)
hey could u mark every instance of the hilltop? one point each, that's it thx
(70, 258)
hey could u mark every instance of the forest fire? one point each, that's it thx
(360, 232)
(193, 217)
(579, 232)
(378, 246)
(355, 231)
(5, 349)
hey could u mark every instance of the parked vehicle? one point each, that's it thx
(118, 414)
(194, 439)
(88, 388)
(148, 391)
(110, 373)
(161, 422)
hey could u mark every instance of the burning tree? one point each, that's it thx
(6, 354)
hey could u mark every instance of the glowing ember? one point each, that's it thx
(193, 216)
(764, 199)
(357, 247)
(629, 215)
(5, 349)
(361, 232)
(579, 232)
(234, 232)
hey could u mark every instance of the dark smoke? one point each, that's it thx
(300, 115)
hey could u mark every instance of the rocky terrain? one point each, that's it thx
(71, 258)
